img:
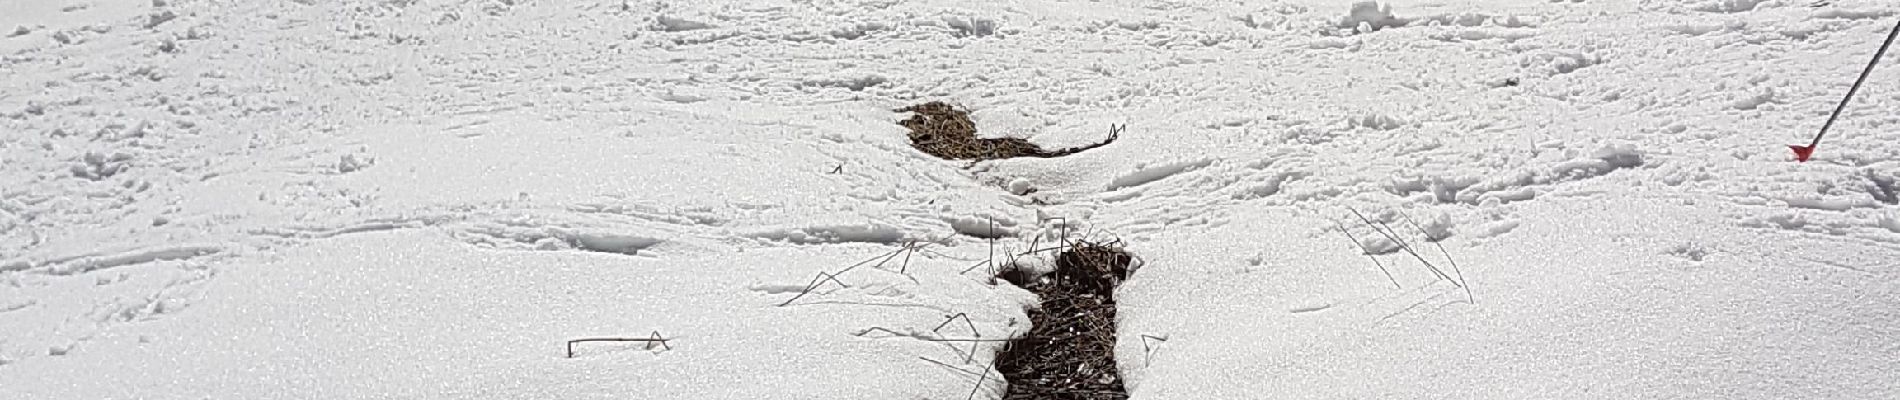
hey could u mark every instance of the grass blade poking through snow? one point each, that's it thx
(822, 277)
(815, 282)
(1403, 246)
(1393, 234)
(1367, 252)
(979, 382)
(1147, 351)
(651, 340)
(1441, 250)
(973, 331)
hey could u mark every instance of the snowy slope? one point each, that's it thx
(375, 199)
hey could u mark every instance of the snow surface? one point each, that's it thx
(427, 199)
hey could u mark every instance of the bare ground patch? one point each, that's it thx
(1069, 353)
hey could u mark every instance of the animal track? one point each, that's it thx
(1519, 186)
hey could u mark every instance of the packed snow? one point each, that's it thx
(429, 199)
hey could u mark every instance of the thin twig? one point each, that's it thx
(1367, 252)
(1144, 341)
(973, 266)
(1441, 250)
(934, 253)
(966, 320)
(913, 250)
(1147, 352)
(1402, 245)
(979, 382)
(655, 338)
(959, 340)
(815, 281)
(945, 365)
(893, 253)
(1041, 250)
(1065, 228)
(1032, 244)
(904, 250)
(1407, 246)
(951, 367)
(867, 331)
(1012, 264)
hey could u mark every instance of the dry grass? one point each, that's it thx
(942, 130)
(1092, 268)
(1384, 229)
(1069, 352)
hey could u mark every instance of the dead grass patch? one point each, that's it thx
(941, 130)
(1069, 353)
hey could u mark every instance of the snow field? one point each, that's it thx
(368, 199)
